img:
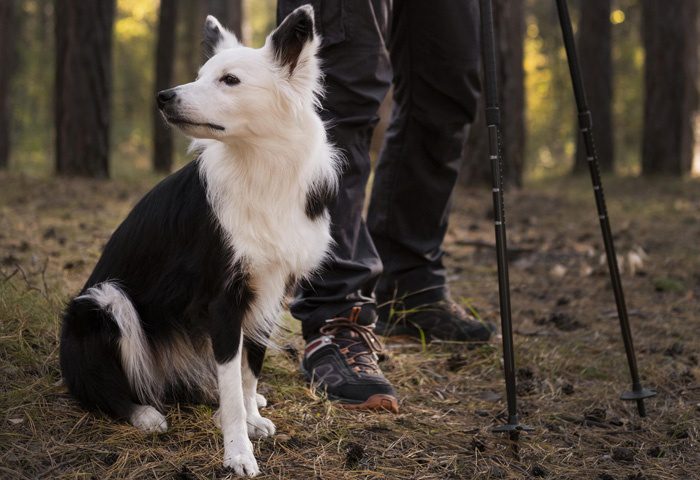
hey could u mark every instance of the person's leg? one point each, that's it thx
(435, 57)
(336, 307)
(357, 76)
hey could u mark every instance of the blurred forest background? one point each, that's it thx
(79, 101)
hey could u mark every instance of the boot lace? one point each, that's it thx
(357, 343)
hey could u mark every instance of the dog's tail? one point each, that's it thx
(103, 346)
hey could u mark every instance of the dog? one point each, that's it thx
(189, 288)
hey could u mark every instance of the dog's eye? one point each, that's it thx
(230, 80)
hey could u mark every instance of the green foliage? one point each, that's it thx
(667, 284)
(132, 91)
(261, 19)
(32, 88)
(628, 86)
(550, 112)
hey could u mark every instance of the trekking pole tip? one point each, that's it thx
(638, 395)
(512, 427)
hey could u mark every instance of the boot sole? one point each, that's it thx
(379, 401)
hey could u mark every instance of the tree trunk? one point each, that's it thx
(670, 90)
(509, 19)
(229, 13)
(7, 60)
(595, 55)
(83, 86)
(165, 60)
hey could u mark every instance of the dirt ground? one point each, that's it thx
(570, 360)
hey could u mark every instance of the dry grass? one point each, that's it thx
(570, 358)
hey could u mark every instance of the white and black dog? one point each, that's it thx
(190, 286)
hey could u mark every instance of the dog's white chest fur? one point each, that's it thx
(261, 207)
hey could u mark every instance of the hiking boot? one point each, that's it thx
(444, 320)
(342, 361)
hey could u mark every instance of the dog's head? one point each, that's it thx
(242, 92)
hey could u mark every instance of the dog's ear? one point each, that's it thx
(216, 37)
(294, 43)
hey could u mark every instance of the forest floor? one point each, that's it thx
(570, 360)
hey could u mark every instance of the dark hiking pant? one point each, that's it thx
(430, 49)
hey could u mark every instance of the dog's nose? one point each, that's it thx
(165, 96)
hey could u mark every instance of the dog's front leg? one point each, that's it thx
(253, 356)
(227, 342)
(238, 451)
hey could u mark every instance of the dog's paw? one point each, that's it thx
(260, 400)
(239, 458)
(260, 427)
(148, 419)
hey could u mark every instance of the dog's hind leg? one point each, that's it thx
(148, 419)
(253, 356)
(91, 366)
(102, 344)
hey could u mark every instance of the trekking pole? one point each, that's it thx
(585, 119)
(488, 47)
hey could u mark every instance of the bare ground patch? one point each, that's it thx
(571, 365)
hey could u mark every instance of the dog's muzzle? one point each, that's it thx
(165, 98)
